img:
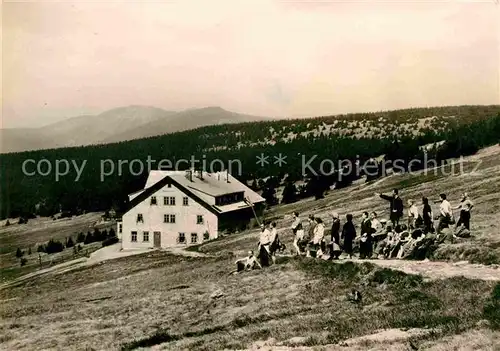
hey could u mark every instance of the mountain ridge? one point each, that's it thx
(116, 125)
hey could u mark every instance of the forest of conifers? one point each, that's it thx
(397, 134)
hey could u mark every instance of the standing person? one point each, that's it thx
(376, 224)
(412, 214)
(319, 233)
(428, 216)
(365, 244)
(274, 240)
(298, 232)
(396, 206)
(264, 243)
(348, 235)
(310, 233)
(335, 232)
(445, 214)
(335, 236)
(465, 207)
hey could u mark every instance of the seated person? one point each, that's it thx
(411, 243)
(248, 263)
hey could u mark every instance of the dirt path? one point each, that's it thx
(433, 269)
(107, 253)
(440, 270)
(428, 269)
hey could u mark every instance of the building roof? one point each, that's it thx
(203, 190)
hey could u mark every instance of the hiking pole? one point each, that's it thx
(253, 210)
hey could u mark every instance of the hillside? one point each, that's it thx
(161, 300)
(119, 124)
(395, 134)
(182, 121)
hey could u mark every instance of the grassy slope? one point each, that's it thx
(40, 231)
(151, 299)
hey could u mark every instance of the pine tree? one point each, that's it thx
(88, 238)
(269, 194)
(69, 243)
(289, 193)
(19, 253)
(80, 238)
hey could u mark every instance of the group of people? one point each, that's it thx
(379, 238)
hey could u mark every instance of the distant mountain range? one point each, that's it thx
(116, 125)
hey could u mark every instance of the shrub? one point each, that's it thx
(110, 241)
(491, 310)
(111, 233)
(23, 261)
(97, 236)
(23, 220)
(69, 243)
(29, 251)
(7, 223)
(80, 238)
(54, 246)
(19, 253)
(40, 248)
(89, 238)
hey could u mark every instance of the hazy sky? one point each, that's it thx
(257, 57)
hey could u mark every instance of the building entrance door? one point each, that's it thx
(157, 239)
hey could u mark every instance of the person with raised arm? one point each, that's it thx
(396, 206)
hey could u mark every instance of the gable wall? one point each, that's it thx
(186, 220)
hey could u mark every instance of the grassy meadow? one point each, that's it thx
(163, 301)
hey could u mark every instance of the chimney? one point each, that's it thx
(189, 175)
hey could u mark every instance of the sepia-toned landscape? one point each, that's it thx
(250, 175)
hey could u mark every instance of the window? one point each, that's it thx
(169, 185)
(145, 236)
(229, 199)
(169, 218)
(185, 201)
(133, 237)
(199, 219)
(140, 218)
(153, 201)
(182, 238)
(120, 228)
(169, 200)
(194, 238)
